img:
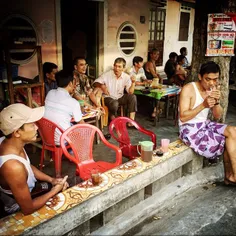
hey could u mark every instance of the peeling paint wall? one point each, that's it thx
(119, 12)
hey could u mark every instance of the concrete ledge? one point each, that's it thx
(75, 216)
(158, 201)
(85, 208)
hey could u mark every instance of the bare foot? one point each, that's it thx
(229, 180)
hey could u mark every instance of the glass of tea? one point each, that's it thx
(95, 176)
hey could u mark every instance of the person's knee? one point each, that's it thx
(114, 106)
(132, 98)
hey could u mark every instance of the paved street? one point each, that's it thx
(205, 210)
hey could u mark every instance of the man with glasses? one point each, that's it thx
(83, 89)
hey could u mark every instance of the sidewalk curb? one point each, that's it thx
(135, 215)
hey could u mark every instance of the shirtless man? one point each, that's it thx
(17, 176)
(205, 137)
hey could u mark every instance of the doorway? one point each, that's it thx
(79, 29)
(157, 31)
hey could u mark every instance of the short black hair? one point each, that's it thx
(209, 67)
(63, 78)
(173, 55)
(120, 60)
(76, 59)
(180, 58)
(137, 59)
(182, 50)
(48, 67)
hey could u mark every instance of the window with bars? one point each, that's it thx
(156, 25)
(127, 39)
(157, 31)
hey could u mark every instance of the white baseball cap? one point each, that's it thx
(18, 114)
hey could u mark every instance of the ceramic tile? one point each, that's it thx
(73, 196)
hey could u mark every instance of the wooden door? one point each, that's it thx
(157, 31)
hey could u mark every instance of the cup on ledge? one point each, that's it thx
(95, 176)
(165, 144)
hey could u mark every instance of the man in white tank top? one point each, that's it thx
(17, 175)
(207, 138)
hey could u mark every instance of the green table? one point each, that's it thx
(159, 94)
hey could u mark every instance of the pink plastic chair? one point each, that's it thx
(119, 124)
(80, 138)
(47, 129)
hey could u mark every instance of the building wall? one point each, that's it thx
(119, 12)
(37, 11)
(171, 43)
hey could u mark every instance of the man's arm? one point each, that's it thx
(101, 83)
(185, 111)
(39, 175)
(15, 176)
(217, 111)
(131, 88)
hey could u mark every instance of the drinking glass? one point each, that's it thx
(95, 176)
(165, 144)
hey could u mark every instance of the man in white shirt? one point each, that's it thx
(137, 71)
(113, 84)
(60, 107)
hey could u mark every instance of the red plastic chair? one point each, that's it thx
(80, 138)
(119, 124)
(47, 129)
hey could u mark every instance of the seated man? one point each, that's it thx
(184, 52)
(170, 67)
(83, 90)
(113, 84)
(17, 176)
(60, 107)
(150, 66)
(49, 71)
(205, 137)
(137, 71)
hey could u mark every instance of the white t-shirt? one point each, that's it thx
(115, 86)
(140, 75)
(60, 107)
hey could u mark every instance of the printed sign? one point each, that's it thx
(221, 35)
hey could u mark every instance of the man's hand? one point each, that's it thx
(56, 181)
(209, 102)
(133, 79)
(104, 89)
(61, 185)
(215, 93)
